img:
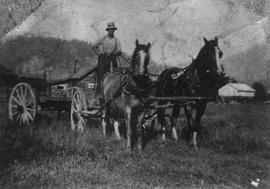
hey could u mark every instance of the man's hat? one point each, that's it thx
(110, 26)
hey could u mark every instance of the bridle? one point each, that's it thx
(138, 80)
(144, 60)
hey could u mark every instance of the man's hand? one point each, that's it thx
(117, 53)
(113, 54)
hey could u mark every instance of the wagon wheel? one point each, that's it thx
(78, 104)
(22, 104)
(70, 91)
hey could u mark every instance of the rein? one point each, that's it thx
(193, 81)
(116, 94)
(127, 60)
(190, 76)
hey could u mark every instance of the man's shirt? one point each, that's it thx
(108, 45)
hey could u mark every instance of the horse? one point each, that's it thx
(123, 94)
(196, 80)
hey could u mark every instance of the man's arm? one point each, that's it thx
(98, 46)
(118, 50)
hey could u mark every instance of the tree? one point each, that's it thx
(260, 94)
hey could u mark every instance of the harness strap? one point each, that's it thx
(132, 88)
(116, 95)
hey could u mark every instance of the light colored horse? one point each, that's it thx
(123, 94)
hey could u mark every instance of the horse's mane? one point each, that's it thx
(136, 50)
(194, 62)
(133, 58)
(134, 54)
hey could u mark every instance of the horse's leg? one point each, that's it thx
(104, 122)
(128, 126)
(162, 122)
(200, 108)
(189, 113)
(116, 129)
(175, 114)
(139, 124)
(193, 115)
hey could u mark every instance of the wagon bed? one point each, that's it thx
(27, 94)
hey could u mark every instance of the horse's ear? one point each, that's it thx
(216, 40)
(148, 46)
(205, 40)
(137, 42)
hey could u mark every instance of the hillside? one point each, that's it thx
(175, 29)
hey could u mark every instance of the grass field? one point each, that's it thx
(234, 150)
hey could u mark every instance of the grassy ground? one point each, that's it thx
(234, 151)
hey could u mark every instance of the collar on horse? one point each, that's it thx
(202, 88)
(189, 76)
(138, 85)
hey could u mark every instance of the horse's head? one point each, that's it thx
(210, 55)
(140, 59)
(207, 62)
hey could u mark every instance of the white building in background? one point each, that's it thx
(236, 91)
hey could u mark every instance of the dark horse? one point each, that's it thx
(199, 79)
(124, 94)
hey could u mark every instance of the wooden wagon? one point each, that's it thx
(50, 90)
(28, 94)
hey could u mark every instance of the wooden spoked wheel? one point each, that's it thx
(77, 106)
(22, 104)
(64, 113)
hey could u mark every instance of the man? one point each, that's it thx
(108, 48)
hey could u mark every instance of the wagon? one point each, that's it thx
(28, 94)
(51, 90)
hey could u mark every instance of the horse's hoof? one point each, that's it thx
(116, 130)
(128, 149)
(163, 138)
(140, 148)
(128, 146)
(174, 134)
(193, 146)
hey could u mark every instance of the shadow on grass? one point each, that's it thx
(40, 141)
(231, 153)
(20, 144)
(233, 139)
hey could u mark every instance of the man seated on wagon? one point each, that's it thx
(108, 48)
